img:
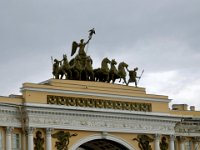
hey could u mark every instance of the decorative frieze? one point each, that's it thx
(98, 103)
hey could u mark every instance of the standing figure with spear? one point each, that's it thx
(133, 76)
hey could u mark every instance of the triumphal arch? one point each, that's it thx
(84, 108)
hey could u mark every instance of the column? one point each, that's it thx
(196, 143)
(48, 139)
(157, 142)
(182, 146)
(24, 140)
(30, 138)
(171, 144)
(8, 137)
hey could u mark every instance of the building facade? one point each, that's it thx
(85, 115)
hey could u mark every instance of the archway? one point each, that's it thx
(101, 142)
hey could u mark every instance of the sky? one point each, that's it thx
(159, 37)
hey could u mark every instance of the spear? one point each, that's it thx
(140, 76)
(52, 63)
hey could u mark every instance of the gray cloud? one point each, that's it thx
(158, 36)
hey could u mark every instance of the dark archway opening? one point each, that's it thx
(102, 144)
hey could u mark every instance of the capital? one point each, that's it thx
(30, 130)
(172, 137)
(48, 131)
(157, 136)
(9, 130)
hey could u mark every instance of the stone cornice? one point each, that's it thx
(77, 93)
(76, 119)
(61, 109)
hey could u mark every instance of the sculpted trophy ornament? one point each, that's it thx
(62, 139)
(144, 142)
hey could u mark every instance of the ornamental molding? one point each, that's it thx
(115, 96)
(98, 103)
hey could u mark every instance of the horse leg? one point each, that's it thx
(128, 82)
(69, 75)
(125, 80)
(107, 78)
(80, 73)
(113, 78)
(92, 76)
(113, 81)
(61, 76)
(119, 79)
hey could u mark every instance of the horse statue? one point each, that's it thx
(113, 73)
(56, 69)
(65, 69)
(76, 68)
(102, 74)
(88, 69)
(122, 72)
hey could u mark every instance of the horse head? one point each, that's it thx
(113, 62)
(122, 65)
(88, 64)
(105, 61)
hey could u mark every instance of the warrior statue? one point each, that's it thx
(133, 76)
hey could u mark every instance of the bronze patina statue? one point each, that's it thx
(56, 70)
(163, 144)
(63, 139)
(133, 76)
(113, 73)
(144, 142)
(65, 68)
(122, 72)
(39, 141)
(80, 67)
(82, 45)
(102, 74)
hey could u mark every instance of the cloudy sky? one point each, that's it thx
(161, 37)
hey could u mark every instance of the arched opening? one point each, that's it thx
(101, 144)
(101, 141)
